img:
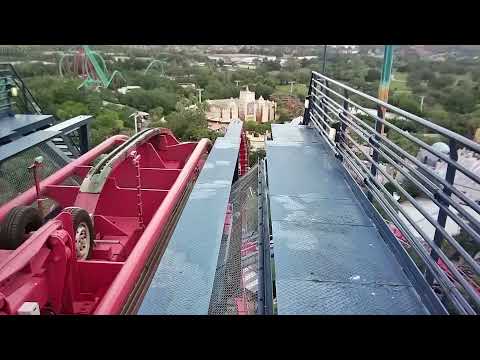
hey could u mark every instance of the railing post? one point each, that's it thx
(343, 127)
(325, 95)
(373, 143)
(25, 101)
(265, 283)
(442, 215)
(308, 99)
(8, 86)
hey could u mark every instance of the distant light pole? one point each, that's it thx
(291, 86)
(324, 59)
(422, 97)
(200, 95)
(139, 117)
(237, 82)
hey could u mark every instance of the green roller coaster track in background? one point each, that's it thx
(101, 79)
(161, 62)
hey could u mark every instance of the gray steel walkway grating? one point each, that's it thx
(184, 279)
(329, 256)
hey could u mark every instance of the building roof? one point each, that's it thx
(223, 102)
(441, 147)
(126, 89)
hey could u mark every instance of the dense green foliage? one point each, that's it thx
(451, 89)
(255, 127)
(445, 92)
(255, 156)
(189, 125)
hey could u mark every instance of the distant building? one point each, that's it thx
(421, 50)
(121, 58)
(430, 159)
(297, 121)
(466, 158)
(249, 59)
(105, 103)
(127, 89)
(256, 141)
(477, 136)
(32, 62)
(57, 52)
(439, 57)
(374, 112)
(247, 66)
(469, 160)
(221, 112)
(144, 58)
(345, 49)
(187, 85)
(451, 227)
(307, 57)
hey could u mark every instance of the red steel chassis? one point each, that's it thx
(130, 214)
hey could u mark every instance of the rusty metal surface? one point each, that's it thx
(329, 256)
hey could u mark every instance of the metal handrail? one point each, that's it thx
(5, 99)
(472, 204)
(417, 142)
(364, 151)
(29, 99)
(28, 103)
(447, 133)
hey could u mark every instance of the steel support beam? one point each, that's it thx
(84, 143)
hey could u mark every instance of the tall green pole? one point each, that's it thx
(383, 96)
(385, 81)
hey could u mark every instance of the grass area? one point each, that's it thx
(436, 107)
(465, 77)
(400, 76)
(297, 89)
(399, 82)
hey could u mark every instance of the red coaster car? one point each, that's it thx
(94, 252)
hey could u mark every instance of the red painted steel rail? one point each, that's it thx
(45, 269)
(116, 295)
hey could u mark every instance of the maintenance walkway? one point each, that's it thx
(329, 256)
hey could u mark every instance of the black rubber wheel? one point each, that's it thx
(20, 221)
(82, 231)
(53, 213)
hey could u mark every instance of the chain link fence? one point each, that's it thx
(15, 178)
(235, 289)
